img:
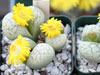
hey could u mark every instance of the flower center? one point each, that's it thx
(22, 14)
(16, 49)
(51, 27)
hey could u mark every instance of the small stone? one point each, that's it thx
(80, 28)
(69, 73)
(51, 64)
(60, 73)
(16, 73)
(20, 72)
(69, 61)
(69, 68)
(6, 72)
(64, 56)
(20, 67)
(66, 71)
(2, 73)
(36, 73)
(55, 59)
(43, 69)
(48, 69)
(12, 69)
(92, 65)
(24, 72)
(68, 47)
(58, 56)
(57, 63)
(98, 68)
(84, 70)
(92, 70)
(3, 55)
(29, 71)
(64, 51)
(69, 41)
(67, 29)
(62, 67)
(4, 67)
(7, 59)
(55, 71)
(98, 24)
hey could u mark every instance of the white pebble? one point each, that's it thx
(36, 73)
(20, 72)
(64, 56)
(84, 70)
(58, 56)
(91, 70)
(62, 67)
(98, 68)
(6, 72)
(80, 28)
(42, 69)
(66, 71)
(69, 61)
(51, 64)
(67, 29)
(57, 63)
(68, 47)
(3, 55)
(12, 69)
(92, 65)
(48, 69)
(60, 73)
(2, 73)
(4, 67)
(55, 71)
(98, 24)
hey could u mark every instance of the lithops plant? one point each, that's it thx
(54, 35)
(20, 50)
(90, 51)
(31, 30)
(91, 33)
(58, 42)
(40, 56)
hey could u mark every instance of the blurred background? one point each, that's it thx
(71, 8)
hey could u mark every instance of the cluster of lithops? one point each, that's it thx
(23, 26)
(89, 47)
(12, 29)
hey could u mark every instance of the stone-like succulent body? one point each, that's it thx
(12, 30)
(31, 42)
(90, 51)
(91, 33)
(58, 42)
(40, 56)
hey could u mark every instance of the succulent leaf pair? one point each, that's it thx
(89, 47)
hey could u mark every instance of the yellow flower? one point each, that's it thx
(19, 50)
(22, 14)
(52, 28)
(99, 17)
(63, 5)
(87, 4)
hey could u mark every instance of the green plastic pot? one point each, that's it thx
(81, 22)
(26, 2)
(65, 20)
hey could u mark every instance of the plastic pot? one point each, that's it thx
(81, 22)
(65, 20)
